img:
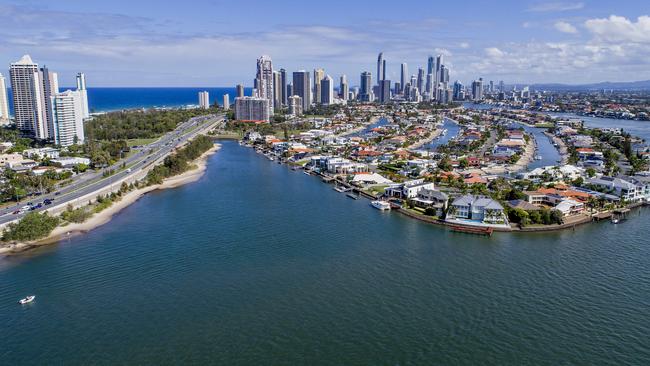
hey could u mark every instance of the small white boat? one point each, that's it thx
(308, 172)
(615, 221)
(27, 300)
(538, 157)
(380, 205)
(340, 189)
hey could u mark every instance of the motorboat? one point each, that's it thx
(538, 157)
(380, 205)
(27, 300)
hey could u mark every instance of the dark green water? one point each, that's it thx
(256, 264)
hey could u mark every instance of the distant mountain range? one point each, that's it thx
(607, 85)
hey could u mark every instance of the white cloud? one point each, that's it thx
(620, 29)
(464, 45)
(565, 27)
(556, 7)
(494, 52)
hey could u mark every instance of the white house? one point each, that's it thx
(470, 209)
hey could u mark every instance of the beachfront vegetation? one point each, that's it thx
(179, 162)
(138, 124)
(32, 227)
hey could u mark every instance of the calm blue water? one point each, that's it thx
(453, 130)
(111, 99)
(636, 128)
(257, 264)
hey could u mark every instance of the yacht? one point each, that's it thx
(27, 300)
(353, 195)
(380, 205)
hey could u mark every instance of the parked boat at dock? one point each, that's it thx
(380, 205)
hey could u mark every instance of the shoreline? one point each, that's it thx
(73, 229)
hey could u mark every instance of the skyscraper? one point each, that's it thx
(83, 92)
(226, 102)
(384, 96)
(277, 89)
(68, 120)
(50, 87)
(365, 87)
(477, 89)
(381, 64)
(439, 63)
(204, 100)
(431, 65)
(420, 81)
(302, 88)
(344, 89)
(404, 75)
(319, 74)
(283, 86)
(240, 91)
(458, 90)
(265, 80)
(327, 90)
(28, 99)
(4, 102)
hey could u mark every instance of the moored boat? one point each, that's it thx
(380, 205)
(353, 195)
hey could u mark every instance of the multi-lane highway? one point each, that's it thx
(94, 181)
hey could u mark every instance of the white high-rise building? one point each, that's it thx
(81, 88)
(29, 105)
(226, 102)
(4, 102)
(277, 89)
(295, 105)
(204, 100)
(264, 80)
(319, 74)
(50, 87)
(327, 90)
(67, 116)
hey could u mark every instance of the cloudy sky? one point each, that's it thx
(216, 42)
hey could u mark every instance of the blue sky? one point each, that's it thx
(215, 43)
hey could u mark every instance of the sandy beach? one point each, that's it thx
(105, 216)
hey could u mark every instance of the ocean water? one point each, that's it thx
(112, 99)
(257, 264)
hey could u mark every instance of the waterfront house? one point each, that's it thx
(431, 198)
(627, 190)
(408, 189)
(570, 207)
(42, 153)
(469, 209)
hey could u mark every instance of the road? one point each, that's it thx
(94, 181)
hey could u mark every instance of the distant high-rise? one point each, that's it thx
(283, 86)
(404, 75)
(381, 64)
(240, 91)
(29, 105)
(327, 90)
(204, 100)
(252, 109)
(49, 88)
(302, 88)
(384, 96)
(319, 74)
(420, 81)
(226, 102)
(431, 65)
(4, 102)
(501, 86)
(477, 90)
(67, 117)
(458, 90)
(439, 63)
(81, 88)
(277, 89)
(295, 105)
(264, 79)
(344, 89)
(365, 87)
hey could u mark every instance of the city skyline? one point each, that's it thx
(127, 44)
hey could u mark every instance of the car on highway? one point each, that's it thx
(16, 212)
(47, 202)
